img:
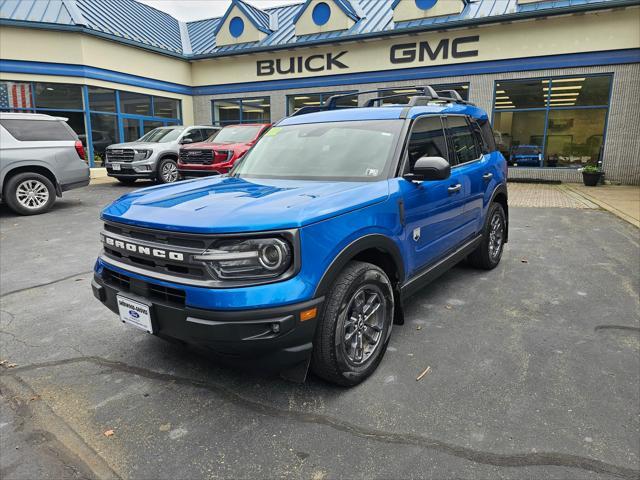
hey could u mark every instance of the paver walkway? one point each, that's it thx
(544, 196)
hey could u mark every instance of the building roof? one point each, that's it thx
(141, 25)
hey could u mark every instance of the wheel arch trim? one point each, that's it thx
(348, 253)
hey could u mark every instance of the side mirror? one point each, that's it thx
(429, 168)
(186, 140)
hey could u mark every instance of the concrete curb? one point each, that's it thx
(602, 204)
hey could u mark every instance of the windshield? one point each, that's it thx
(360, 150)
(162, 135)
(238, 134)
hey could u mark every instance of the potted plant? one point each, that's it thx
(591, 175)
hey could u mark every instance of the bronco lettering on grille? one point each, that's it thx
(142, 250)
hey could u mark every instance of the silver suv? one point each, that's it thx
(40, 157)
(155, 155)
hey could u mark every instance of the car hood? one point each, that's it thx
(229, 204)
(214, 145)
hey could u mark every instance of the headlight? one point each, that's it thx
(141, 154)
(248, 259)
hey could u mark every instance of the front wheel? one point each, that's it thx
(488, 254)
(352, 335)
(30, 193)
(168, 171)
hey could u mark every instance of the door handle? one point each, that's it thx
(487, 176)
(454, 188)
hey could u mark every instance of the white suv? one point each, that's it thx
(40, 157)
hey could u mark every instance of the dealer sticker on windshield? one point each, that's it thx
(135, 313)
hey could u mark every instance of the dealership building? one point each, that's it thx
(560, 79)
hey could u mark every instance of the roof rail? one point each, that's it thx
(452, 95)
(424, 94)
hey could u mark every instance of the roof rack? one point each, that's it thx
(423, 96)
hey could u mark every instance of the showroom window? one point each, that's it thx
(241, 110)
(552, 122)
(401, 95)
(111, 116)
(296, 102)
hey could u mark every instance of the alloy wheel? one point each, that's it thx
(169, 172)
(496, 236)
(32, 194)
(364, 322)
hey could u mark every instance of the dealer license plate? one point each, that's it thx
(116, 167)
(135, 313)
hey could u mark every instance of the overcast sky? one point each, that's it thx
(188, 10)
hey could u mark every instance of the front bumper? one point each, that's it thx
(140, 169)
(275, 338)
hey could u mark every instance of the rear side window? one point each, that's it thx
(427, 140)
(477, 132)
(462, 140)
(487, 135)
(38, 130)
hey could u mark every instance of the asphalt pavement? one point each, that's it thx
(534, 371)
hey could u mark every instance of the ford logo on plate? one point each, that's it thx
(134, 314)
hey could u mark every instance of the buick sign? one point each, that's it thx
(142, 250)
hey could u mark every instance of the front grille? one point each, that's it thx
(119, 155)
(124, 283)
(118, 280)
(200, 157)
(153, 240)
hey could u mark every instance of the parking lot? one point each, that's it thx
(533, 370)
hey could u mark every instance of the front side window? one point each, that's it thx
(462, 140)
(427, 140)
(349, 151)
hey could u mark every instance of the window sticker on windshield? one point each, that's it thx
(273, 132)
(372, 172)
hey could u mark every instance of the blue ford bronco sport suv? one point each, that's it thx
(305, 252)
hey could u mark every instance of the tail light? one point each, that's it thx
(80, 149)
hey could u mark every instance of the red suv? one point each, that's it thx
(219, 155)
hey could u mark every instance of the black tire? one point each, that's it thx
(163, 174)
(332, 358)
(17, 190)
(488, 254)
(127, 181)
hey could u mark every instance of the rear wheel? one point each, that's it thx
(30, 193)
(127, 181)
(488, 254)
(351, 338)
(167, 171)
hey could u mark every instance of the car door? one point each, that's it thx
(432, 208)
(469, 169)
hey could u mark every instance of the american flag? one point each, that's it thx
(15, 95)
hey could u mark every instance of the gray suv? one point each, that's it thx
(40, 157)
(155, 155)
